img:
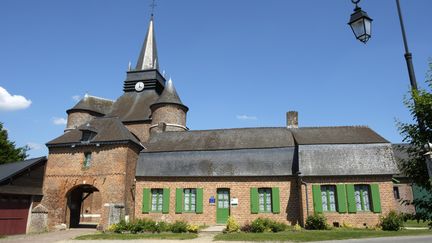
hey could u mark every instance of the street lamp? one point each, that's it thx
(360, 23)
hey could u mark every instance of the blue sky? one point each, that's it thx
(237, 63)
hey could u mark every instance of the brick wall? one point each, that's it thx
(239, 188)
(78, 118)
(141, 130)
(358, 219)
(171, 114)
(109, 172)
(406, 194)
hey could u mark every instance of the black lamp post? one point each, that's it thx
(360, 23)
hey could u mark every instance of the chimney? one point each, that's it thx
(292, 119)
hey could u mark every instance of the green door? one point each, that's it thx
(223, 209)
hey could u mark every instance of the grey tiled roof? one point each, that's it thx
(222, 139)
(240, 162)
(247, 151)
(336, 135)
(10, 169)
(169, 96)
(108, 129)
(133, 106)
(346, 159)
(93, 103)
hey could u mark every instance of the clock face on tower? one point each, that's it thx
(139, 86)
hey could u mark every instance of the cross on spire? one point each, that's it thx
(152, 5)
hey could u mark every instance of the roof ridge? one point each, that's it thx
(346, 126)
(233, 128)
(100, 98)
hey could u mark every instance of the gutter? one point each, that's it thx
(306, 190)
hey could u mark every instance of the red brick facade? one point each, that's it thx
(111, 172)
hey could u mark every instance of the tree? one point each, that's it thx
(420, 107)
(8, 150)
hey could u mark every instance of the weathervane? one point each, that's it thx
(152, 5)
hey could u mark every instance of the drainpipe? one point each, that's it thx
(306, 190)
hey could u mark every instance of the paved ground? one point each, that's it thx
(66, 236)
(399, 239)
(57, 236)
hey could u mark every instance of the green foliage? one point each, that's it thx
(246, 228)
(232, 225)
(149, 225)
(392, 222)
(260, 225)
(179, 227)
(316, 222)
(420, 107)
(8, 150)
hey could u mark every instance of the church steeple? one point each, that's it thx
(146, 75)
(148, 58)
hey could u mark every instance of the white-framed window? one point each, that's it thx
(328, 198)
(156, 200)
(362, 197)
(189, 203)
(264, 200)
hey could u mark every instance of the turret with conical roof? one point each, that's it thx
(168, 112)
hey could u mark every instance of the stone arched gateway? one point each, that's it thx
(84, 206)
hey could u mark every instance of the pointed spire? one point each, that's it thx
(169, 96)
(148, 59)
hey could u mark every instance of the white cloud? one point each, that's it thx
(59, 121)
(10, 102)
(246, 117)
(34, 146)
(76, 98)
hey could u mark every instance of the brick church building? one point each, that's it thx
(136, 158)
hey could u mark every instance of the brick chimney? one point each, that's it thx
(292, 119)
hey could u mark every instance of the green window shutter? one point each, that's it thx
(316, 194)
(352, 208)
(341, 198)
(275, 200)
(179, 200)
(376, 202)
(166, 200)
(146, 200)
(199, 200)
(254, 200)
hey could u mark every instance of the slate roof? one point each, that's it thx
(108, 130)
(336, 135)
(93, 103)
(11, 169)
(133, 106)
(241, 162)
(221, 139)
(346, 159)
(313, 151)
(169, 96)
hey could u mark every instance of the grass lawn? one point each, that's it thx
(113, 236)
(414, 223)
(317, 235)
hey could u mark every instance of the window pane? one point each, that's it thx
(332, 202)
(366, 199)
(358, 198)
(324, 199)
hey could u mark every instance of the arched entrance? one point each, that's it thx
(83, 207)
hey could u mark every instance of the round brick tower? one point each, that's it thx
(85, 110)
(168, 112)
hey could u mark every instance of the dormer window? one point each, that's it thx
(87, 136)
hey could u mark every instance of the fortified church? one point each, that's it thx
(136, 158)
